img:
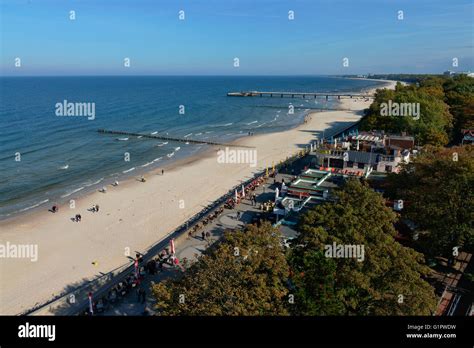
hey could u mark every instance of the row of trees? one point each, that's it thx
(437, 186)
(245, 274)
(438, 190)
(446, 107)
(251, 273)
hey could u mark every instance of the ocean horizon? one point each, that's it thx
(48, 156)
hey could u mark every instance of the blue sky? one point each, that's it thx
(214, 32)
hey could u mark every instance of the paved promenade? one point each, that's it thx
(191, 248)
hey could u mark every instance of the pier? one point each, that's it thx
(303, 95)
(160, 137)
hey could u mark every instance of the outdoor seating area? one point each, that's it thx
(310, 187)
(244, 191)
(346, 172)
(133, 280)
(315, 174)
(305, 188)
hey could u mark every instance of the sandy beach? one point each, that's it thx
(135, 215)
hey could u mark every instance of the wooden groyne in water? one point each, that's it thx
(160, 137)
(298, 94)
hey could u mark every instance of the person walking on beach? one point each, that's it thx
(97, 208)
(162, 172)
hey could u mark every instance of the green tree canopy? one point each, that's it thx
(459, 95)
(434, 122)
(389, 279)
(438, 189)
(245, 274)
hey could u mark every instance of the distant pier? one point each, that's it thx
(299, 94)
(160, 137)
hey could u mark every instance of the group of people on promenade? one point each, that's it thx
(134, 281)
(205, 220)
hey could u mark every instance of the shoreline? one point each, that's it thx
(123, 178)
(136, 215)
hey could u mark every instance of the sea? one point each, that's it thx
(48, 156)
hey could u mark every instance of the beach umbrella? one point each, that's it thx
(173, 250)
(91, 307)
(273, 166)
(243, 191)
(236, 195)
(276, 193)
(266, 172)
